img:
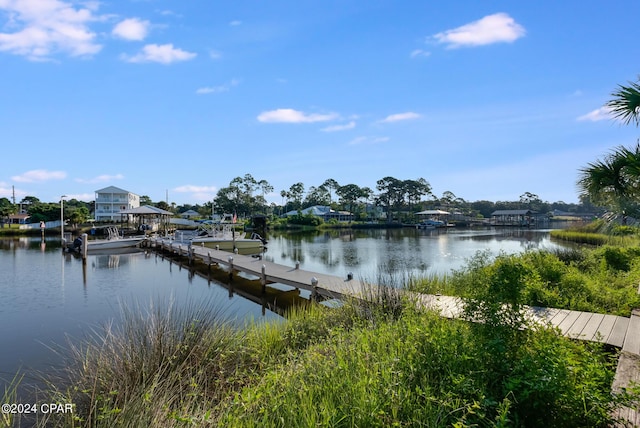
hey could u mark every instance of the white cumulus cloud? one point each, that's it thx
(164, 54)
(131, 29)
(39, 175)
(217, 89)
(38, 29)
(368, 140)
(336, 128)
(101, 178)
(603, 113)
(400, 116)
(495, 28)
(419, 53)
(286, 115)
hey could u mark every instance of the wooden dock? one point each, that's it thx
(617, 331)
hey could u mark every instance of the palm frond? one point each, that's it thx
(625, 104)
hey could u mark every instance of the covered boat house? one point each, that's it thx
(520, 218)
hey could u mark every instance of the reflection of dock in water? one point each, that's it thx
(320, 285)
(272, 298)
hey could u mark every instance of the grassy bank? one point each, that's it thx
(603, 280)
(383, 365)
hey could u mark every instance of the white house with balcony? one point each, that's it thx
(111, 200)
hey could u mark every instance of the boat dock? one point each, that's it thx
(620, 332)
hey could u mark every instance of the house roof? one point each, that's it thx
(317, 210)
(512, 212)
(19, 216)
(112, 189)
(146, 210)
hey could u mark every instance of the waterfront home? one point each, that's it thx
(324, 212)
(111, 200)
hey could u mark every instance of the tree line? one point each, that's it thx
(393, 198)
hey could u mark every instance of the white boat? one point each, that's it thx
(111, 242)
(430, 224)
(222, 236)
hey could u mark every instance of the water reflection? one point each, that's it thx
(413, 251)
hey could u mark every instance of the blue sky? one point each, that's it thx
(174, 99)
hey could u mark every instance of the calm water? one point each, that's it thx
(48, 296)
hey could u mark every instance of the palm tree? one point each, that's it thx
(614, 182)
(625, 104)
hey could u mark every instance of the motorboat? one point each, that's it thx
(111, 242)
(431, 224)
(222, 236)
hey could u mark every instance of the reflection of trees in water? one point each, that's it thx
(394, 250)
(30, 243)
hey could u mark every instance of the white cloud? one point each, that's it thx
(235, 23)
(286, 115)
(400, 116)
(603, 113)
(189, 188)
(495, 28)
(217, 89)
(419, 53)
(164, 54)
(39, 175)
(87, 197)
(336, 128)
(368, 140)
(198, 193)
(46, 27)
(131, 29)
(101, 178)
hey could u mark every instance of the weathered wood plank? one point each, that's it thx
(616, 338)
(605, 328)
(632, 339)
(590, 330)
(559, 317)
(627, 372)
(575, 331)
(568, 321)
(544, 315)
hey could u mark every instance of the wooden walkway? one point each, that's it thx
(621, 332)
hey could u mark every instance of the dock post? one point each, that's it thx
(263, 279)
(209, 263)
(314, 292)
(85, 248)
(297, 264)
(230, 267)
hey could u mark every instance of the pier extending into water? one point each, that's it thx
(620, 332)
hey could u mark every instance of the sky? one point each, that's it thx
(174, 99)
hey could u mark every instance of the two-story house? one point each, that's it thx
(111, 200)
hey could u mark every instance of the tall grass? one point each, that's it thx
(603, 280)
(422, 370)
(160, 366)
(10, 396)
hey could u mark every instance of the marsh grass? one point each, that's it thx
(158, 366)
(422, 370)
(10, 395)
(602, 280)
